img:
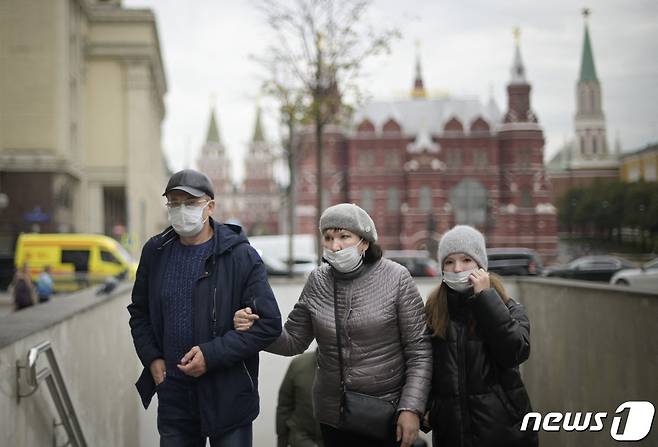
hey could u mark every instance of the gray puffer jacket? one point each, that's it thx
(386, 348)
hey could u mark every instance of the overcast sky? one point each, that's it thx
(466, 49)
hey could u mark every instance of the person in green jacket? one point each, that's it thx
(295, 424)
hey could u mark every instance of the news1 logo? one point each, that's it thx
(632, 421)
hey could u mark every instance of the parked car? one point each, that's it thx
(590, 268)
(274, 252)
(277, 267)
(645, 277)
(514, 261)
(418, 262)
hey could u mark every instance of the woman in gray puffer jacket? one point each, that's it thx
(385, 345)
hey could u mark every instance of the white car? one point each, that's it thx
(645, 278)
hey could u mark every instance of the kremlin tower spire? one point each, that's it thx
(589, 122)
(518, 89)
(418, 90)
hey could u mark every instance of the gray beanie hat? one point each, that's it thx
(463, 239)
(351, 217)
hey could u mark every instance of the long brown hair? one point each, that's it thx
(436, 308)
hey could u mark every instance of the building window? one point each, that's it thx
(594, 146)
(480, 158)
(392, 160)
(425, 198)
(469, 202)
(526, 197)
(454, 158)
(367, 199)
(366, 159)
(582, 145)
(650, 172)
(393, 202)
(524, 158)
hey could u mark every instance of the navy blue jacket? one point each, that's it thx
(234, 277)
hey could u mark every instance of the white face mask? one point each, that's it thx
(458, 281)
(187, 220)
(345, 260)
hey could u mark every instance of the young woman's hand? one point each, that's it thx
(244, 319)
(480, 280)
(407, 428)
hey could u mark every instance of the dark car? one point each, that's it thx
(590, 268)
(514, 261)
(418, 262)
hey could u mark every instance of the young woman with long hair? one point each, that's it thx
(480, 336)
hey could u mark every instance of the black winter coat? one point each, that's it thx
(478, 398)
(234, 277)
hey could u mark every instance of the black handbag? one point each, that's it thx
(360, 413)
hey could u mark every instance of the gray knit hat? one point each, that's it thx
(348, 216)
(463, 239)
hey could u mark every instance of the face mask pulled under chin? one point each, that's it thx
(187, 220)
(345, 260)
(458, 281)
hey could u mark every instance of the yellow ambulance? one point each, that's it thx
(76, 260)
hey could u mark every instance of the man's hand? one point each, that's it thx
(244, 319)
(480, 280)
(158, 370)
(407, 428)
(193, 364)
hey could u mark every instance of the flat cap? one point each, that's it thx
(192, 182)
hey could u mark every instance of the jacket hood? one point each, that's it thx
(226, 237)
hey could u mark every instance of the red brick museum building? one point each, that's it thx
(421, 165)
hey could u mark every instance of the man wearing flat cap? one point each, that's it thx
(191, 279)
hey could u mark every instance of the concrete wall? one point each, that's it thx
(94, 350)
(594, 347)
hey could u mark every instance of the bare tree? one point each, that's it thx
(291, 108)
(323, 43)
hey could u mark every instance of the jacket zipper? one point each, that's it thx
(461, 379)
(251, 381)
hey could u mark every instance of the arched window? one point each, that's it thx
(526, 197)
(425, 198)
(469, 202)
(393, 202)
(367, 199)
(595, 146)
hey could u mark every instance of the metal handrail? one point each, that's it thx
(53, 377)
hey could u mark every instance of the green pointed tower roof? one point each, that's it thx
(587, 68)
(259, 136)
(213, 132)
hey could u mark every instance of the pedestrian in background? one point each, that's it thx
(480, 336)
(22, 288)
(45, 285)
(366, 315)
(295, 424)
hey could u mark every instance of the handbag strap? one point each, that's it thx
(338, 342)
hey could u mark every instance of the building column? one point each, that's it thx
(95, 209)
(138, 85)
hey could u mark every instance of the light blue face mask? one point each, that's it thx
(345, 260)
(458, 281)
(187, 220)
